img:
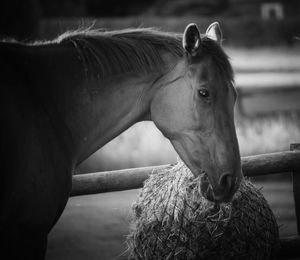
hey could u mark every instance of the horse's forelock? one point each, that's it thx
(219, 57)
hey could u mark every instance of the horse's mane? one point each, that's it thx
(135, 50)
(124, 51)
(109, 53)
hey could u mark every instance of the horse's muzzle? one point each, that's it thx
(224, 191)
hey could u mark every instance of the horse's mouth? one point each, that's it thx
(208, 193)
(206, 188)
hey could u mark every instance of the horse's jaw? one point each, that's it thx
(220, 181)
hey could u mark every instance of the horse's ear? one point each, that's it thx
(191, 39)
(214, 32)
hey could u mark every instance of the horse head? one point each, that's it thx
(195, 111)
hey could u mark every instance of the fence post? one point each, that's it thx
(296, 186)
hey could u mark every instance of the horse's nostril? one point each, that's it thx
(223, 191)
(226, 182)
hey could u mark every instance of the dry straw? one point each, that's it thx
(172, 220)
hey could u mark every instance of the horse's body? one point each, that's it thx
(63, 100)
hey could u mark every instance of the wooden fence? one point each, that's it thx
(265, 164)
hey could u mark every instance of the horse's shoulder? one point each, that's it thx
(34, 172)
(35, 177)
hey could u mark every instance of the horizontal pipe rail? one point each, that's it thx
(99, 182)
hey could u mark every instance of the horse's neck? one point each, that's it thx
(89, 112)
(116, 107)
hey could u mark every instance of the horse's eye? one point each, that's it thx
(203, 93)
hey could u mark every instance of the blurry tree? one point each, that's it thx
(189, 7)
(63, 8)
(19, 19)
(117, 7)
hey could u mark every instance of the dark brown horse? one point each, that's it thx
(63, 100)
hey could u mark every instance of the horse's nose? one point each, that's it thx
(223, 191)
(225, 181)
(227, 187)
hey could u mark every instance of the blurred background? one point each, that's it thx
(261, 38)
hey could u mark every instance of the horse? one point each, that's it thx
(64, 99)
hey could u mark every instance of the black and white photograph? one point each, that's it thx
(150, 129)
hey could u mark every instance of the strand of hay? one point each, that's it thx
(172, 220)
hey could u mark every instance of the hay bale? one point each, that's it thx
(172, 220)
